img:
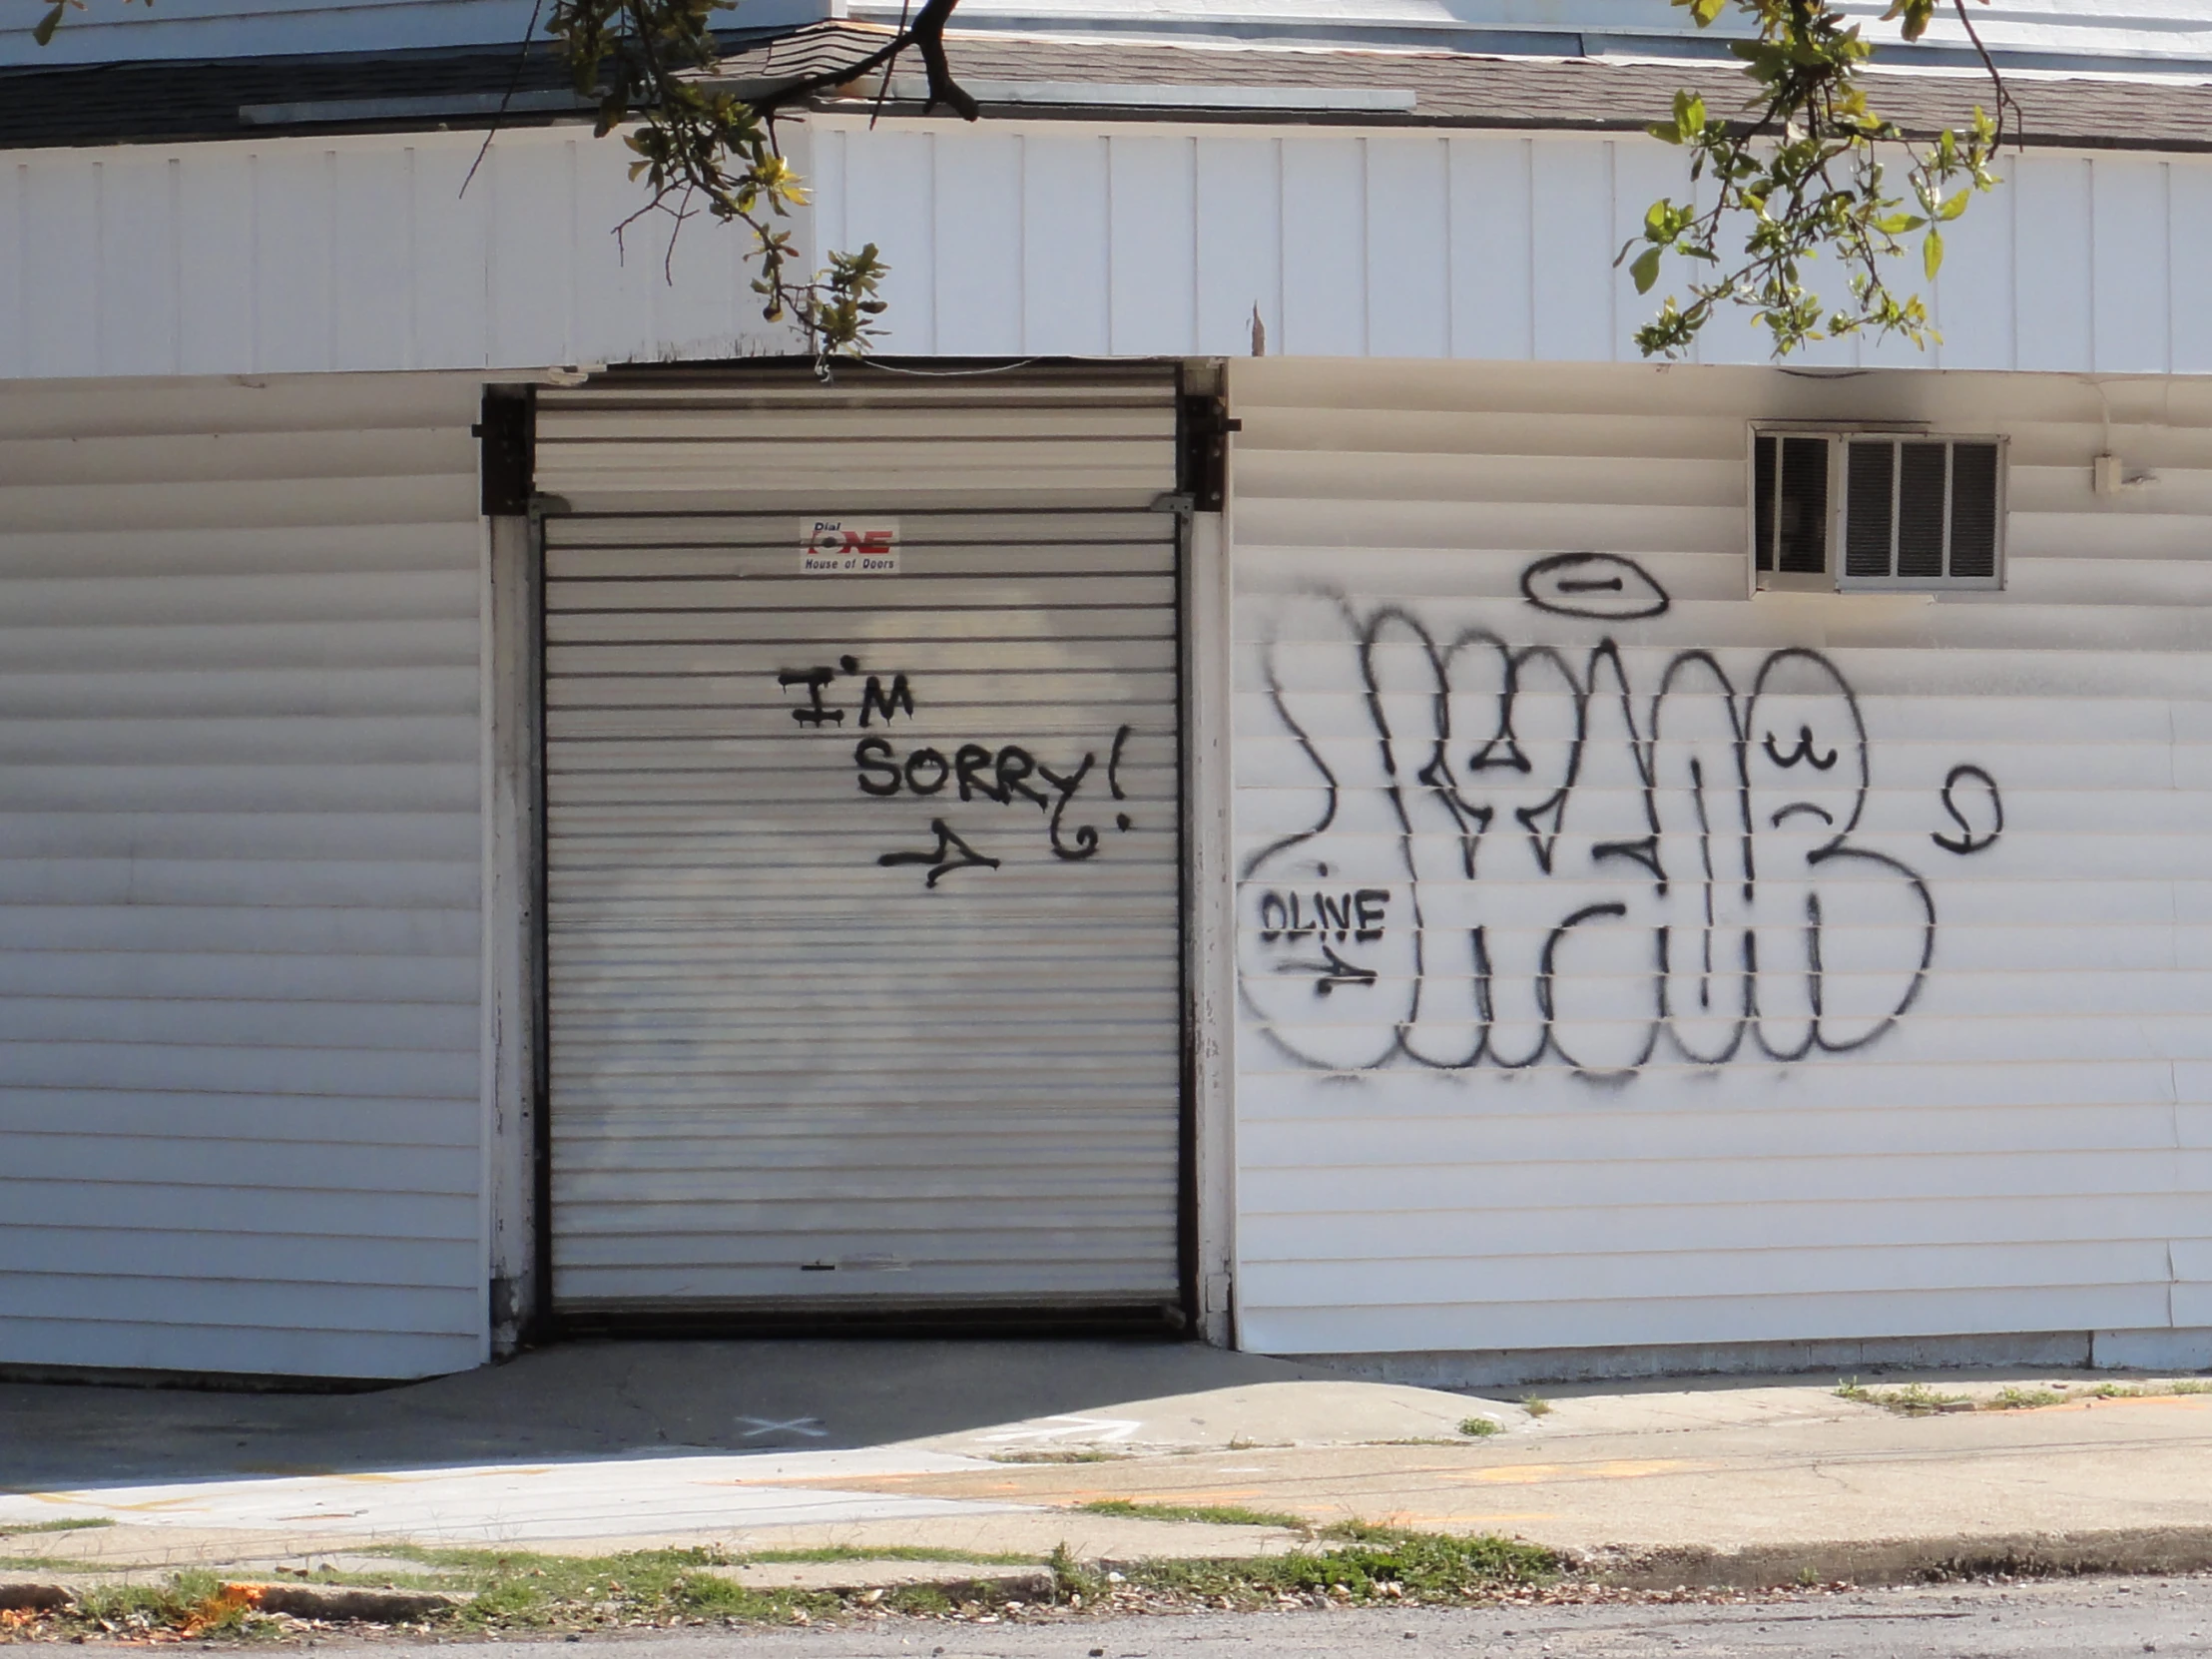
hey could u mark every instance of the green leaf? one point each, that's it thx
(1666, 132)
(1931, 253)
(44, 32)
(1955, 207)
(1646, 270)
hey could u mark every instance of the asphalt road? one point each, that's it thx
(2076, 1619)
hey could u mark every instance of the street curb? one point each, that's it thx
(33, 1598)
(2128, 1551)
(957, 1581)
(301, 1601)
(310, 1601)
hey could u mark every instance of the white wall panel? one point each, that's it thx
(60, 329)
(137, 306)
(2130, 280)
(2016, 1144)
(1152, 191)
(214, 273)
(1325, 265)
(2189, 234)
(239, 859)
(1972, 301)
(2053, 282)
(1066, 238)
(1571, 230)
(1409, 233)
(1239, 243)
(1491, 289)
(294, 258)
(366, 252)
(891, 184)
(979, 205)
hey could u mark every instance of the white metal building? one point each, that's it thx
(1264, 774)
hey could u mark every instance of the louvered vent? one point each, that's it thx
(1902, 512)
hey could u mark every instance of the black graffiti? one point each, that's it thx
(1600, 585)
(815, 712)
(1715, 826)
(1086, 837)
(1122, 820)
(999, 774)
(875, 700)
(1356, 915)
(1330, 973)
(1989, 808)
(951, 853)
(1805, 752)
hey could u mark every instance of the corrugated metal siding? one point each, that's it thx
(240, 849)
(2027, 1147)
(361, 252)
(826, 1031)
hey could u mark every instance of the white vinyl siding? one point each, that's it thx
(2027, 1148)
(239, 855)
(363, 251)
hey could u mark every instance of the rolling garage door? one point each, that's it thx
(863, 809)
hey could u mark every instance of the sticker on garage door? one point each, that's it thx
(848, 547)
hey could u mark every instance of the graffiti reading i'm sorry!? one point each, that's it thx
(887, 765)
(1521, 856)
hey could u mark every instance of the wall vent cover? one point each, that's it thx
(1882, 511)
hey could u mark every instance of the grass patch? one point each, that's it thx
(1918, 1400)
(2026, 1399)
(1216, 1514)
(522, 1590)
(1481, 1428)
(2146, 1390)
(75, 1523)
(1535, 1405)
(188, 1604)
(1360, 1563)
(1915, 1399)
(883, 1552)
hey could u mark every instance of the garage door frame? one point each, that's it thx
(549, 1322)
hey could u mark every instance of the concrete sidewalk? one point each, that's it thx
(997, 1449)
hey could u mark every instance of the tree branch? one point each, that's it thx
(1805, 174)
(704, 149)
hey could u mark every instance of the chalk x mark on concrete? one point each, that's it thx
(809, 1427)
